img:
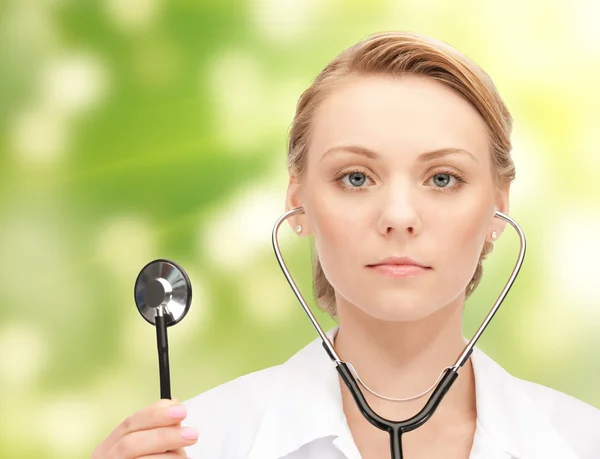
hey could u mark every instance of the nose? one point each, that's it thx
(398, 212)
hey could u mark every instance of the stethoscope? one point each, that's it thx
(163, 295)
(397, 428)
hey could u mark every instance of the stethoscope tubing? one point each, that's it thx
(397, 428)
(162, 344)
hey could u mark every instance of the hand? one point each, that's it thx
(154, 432)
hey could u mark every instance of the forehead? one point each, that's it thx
(390, 114)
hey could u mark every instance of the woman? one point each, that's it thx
(399, 154)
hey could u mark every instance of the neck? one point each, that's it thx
(403, 359)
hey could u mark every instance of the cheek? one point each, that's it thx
(337, 224)
(461, 239)
(334, 226)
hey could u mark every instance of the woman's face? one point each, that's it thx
(399, 194)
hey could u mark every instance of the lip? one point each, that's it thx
(399, 267)
(399, 261)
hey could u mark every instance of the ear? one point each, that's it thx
(502, 205)
(293, 200)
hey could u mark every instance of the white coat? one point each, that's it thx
(294, 411)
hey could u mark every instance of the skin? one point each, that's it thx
(153, 432)
(373, 189)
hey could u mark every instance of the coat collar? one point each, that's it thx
(508, 419)
(306, 405)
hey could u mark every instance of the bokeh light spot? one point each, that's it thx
(286, 19)
(40, 135)
(573, 251)
(24, 358)
(125, 245)
(67, 426)
(239, 231)
(238, 90)
(74, 83)
(133, 15)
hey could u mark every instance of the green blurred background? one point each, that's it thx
(140, 129)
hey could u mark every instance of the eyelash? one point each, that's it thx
(459, 179)
(343, 186)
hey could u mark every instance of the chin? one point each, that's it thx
(398, 314)
(399, 308)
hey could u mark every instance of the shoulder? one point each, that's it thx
(576, 421)
(235, 406)
(553, 402)
(241, 408)
(531, 419)
(253, 389)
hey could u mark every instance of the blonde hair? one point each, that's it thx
(397, 54)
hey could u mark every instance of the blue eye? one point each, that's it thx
(356, 179)
(442, 180)
(447, 180)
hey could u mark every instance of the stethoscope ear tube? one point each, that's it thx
(513, 275)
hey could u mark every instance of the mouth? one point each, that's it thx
(399, 267)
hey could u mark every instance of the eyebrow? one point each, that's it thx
(423, 157)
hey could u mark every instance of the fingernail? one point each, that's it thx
(177, 412)
(189, 433)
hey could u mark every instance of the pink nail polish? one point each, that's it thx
(189, 433)
(177, 412)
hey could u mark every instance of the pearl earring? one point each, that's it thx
(494, 235)
(298, 229)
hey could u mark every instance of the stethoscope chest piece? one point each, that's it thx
(163, 295)
(162, 284)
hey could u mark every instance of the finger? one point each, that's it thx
(153, 441)
(179, 454)
(161, 413)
